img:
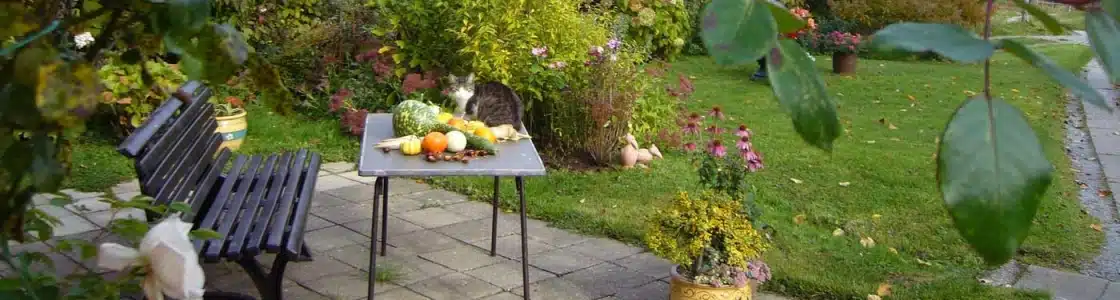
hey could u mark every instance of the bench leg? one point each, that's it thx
(269, 285)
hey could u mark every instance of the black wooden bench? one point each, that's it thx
(259, 204)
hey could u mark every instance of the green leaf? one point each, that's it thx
(1057, 73)
(10, 284)
(787, 22)
(952, 41)
(204, 234)
(1048, 21)
(992, 174)
(188, 14)
(88, 250)
(180, 207)
(737, 31)
(61, 200)
(46, 171)
(1112, 7)
(1104, 36)
(801, 92)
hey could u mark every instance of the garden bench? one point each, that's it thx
(258, 204)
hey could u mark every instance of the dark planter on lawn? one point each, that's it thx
(844, 63)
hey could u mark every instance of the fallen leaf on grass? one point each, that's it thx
(1083, 186)
(871, 142)
(1096, 227)
(876, 217)
(867, 242)
(795, 180)
(891, 126)
(883, 290)
(1104, 193)
(845, 183)
(911, 97)
(582, 200)
(893, 250)
(920, 261)
(838, 232)
(1014, 90)
(799, 219)
(873, 297)
(969, 93)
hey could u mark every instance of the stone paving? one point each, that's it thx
(438, 249)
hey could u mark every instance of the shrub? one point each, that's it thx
(664, 27)
(871, 15)
(657, 110)
(695, 45)
(128, 100)
(596, 112)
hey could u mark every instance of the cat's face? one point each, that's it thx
(461, 90)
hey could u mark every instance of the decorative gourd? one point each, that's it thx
(412, 117)
(485, 133)
(473, 141)
(444, 117)
(475, 125)
(411, 146)
(458, 123)
(434, 143)
(456, 141)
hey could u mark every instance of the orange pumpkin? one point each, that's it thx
(434, 142)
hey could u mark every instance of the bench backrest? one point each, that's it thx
(175, 148)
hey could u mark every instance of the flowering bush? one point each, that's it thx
(714, 239)
(810, 23)
(661, 27)
(839, 42)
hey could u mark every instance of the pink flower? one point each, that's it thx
(541, 52)
(744, 144)
(743, 132)
(690, 147)
(338, 99)
(754, 160)
(716, 112)
(692, 128)
(695, 118)
(596, 51)
(713, 129)
(717, 149)
(557, 65)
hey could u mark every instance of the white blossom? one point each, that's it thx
(167, 254)
(84, 39)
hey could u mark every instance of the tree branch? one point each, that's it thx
(105, 36)
(988, 62)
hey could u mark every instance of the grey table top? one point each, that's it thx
(514, 158)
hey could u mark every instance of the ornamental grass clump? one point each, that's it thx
(712, 234)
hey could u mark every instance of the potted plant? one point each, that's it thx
(232, 123)
(711, 234)
(845, 47)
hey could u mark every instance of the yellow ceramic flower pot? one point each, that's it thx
(233, 129)
(681, 288)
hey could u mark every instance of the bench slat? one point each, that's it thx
(179, 177)
(303, 205)
(155, 152)
(134, 144)
(219, 203)
(252, 206)
(205, 185)
(263, 222)
(284, 207)
(196, 169)
(166, 154)
(232, 211)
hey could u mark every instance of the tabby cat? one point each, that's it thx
(491, 102)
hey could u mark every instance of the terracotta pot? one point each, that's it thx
(844, 63)
(681, 288)
(233, 129)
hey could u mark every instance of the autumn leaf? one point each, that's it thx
(876, 217)
(883, 290)
(873, 297)
(795, 180)
(838, 232)
(845, 183)
(920, 261)
(893, 250)
(1104, 193)
(891, 126)
(125, 101)
(1096, 227)
(799, 219)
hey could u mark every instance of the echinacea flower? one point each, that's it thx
(716, 112)
(557, 65)
(713, 129)
(754, 160)
(744, 144)
(716, 148)
(596, 51)
(541, 52)
(690, 147)
(743, 131)
(695, 118)
(691, 128)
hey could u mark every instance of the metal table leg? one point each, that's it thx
(524, 246)
(494, 218)
(377, 188)
(384, 215)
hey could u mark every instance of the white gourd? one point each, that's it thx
(456, 141)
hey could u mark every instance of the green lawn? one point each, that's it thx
(1075, 19)
(891, 174)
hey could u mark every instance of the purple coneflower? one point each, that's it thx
(716, 148)
(744, 144)
(690, 147)
(716, 112)
(754, 160)
(691, 128)
(713, 129)
(743, 131)
(541, 52)
(614, 43)
(695, 118)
